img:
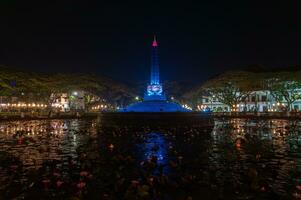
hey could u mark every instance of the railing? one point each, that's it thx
(259, 114)
(44, 115)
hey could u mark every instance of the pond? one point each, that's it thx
(84, 159)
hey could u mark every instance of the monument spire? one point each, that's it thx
(155, 79)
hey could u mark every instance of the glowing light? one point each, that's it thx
(155, 44)
(154, 89)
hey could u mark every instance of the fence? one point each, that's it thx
(258, 114)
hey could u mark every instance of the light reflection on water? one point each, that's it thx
(229, 156)
(154, 146)
(35, 141)
(270, 147)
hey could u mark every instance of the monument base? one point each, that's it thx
(155, 106)
(155, 97)
(157, 120)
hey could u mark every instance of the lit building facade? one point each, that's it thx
(62, 103)
(260, 101)
(65, 102)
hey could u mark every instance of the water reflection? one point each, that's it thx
(239, 159)
(261, 148)
(35, 141)
(154, 147)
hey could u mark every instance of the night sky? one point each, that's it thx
(196, 40)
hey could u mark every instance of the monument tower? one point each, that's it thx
(154, 89)
(154, 97)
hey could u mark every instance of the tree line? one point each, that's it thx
(45, 87)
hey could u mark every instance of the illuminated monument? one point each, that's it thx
(154, 97)
(154, 89)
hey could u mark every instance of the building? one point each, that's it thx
(61, 102)
(260, 101)
(65, 102)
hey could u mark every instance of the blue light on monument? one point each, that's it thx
(154, 98)
(154, 88)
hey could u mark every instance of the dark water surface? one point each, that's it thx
(84, 159)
